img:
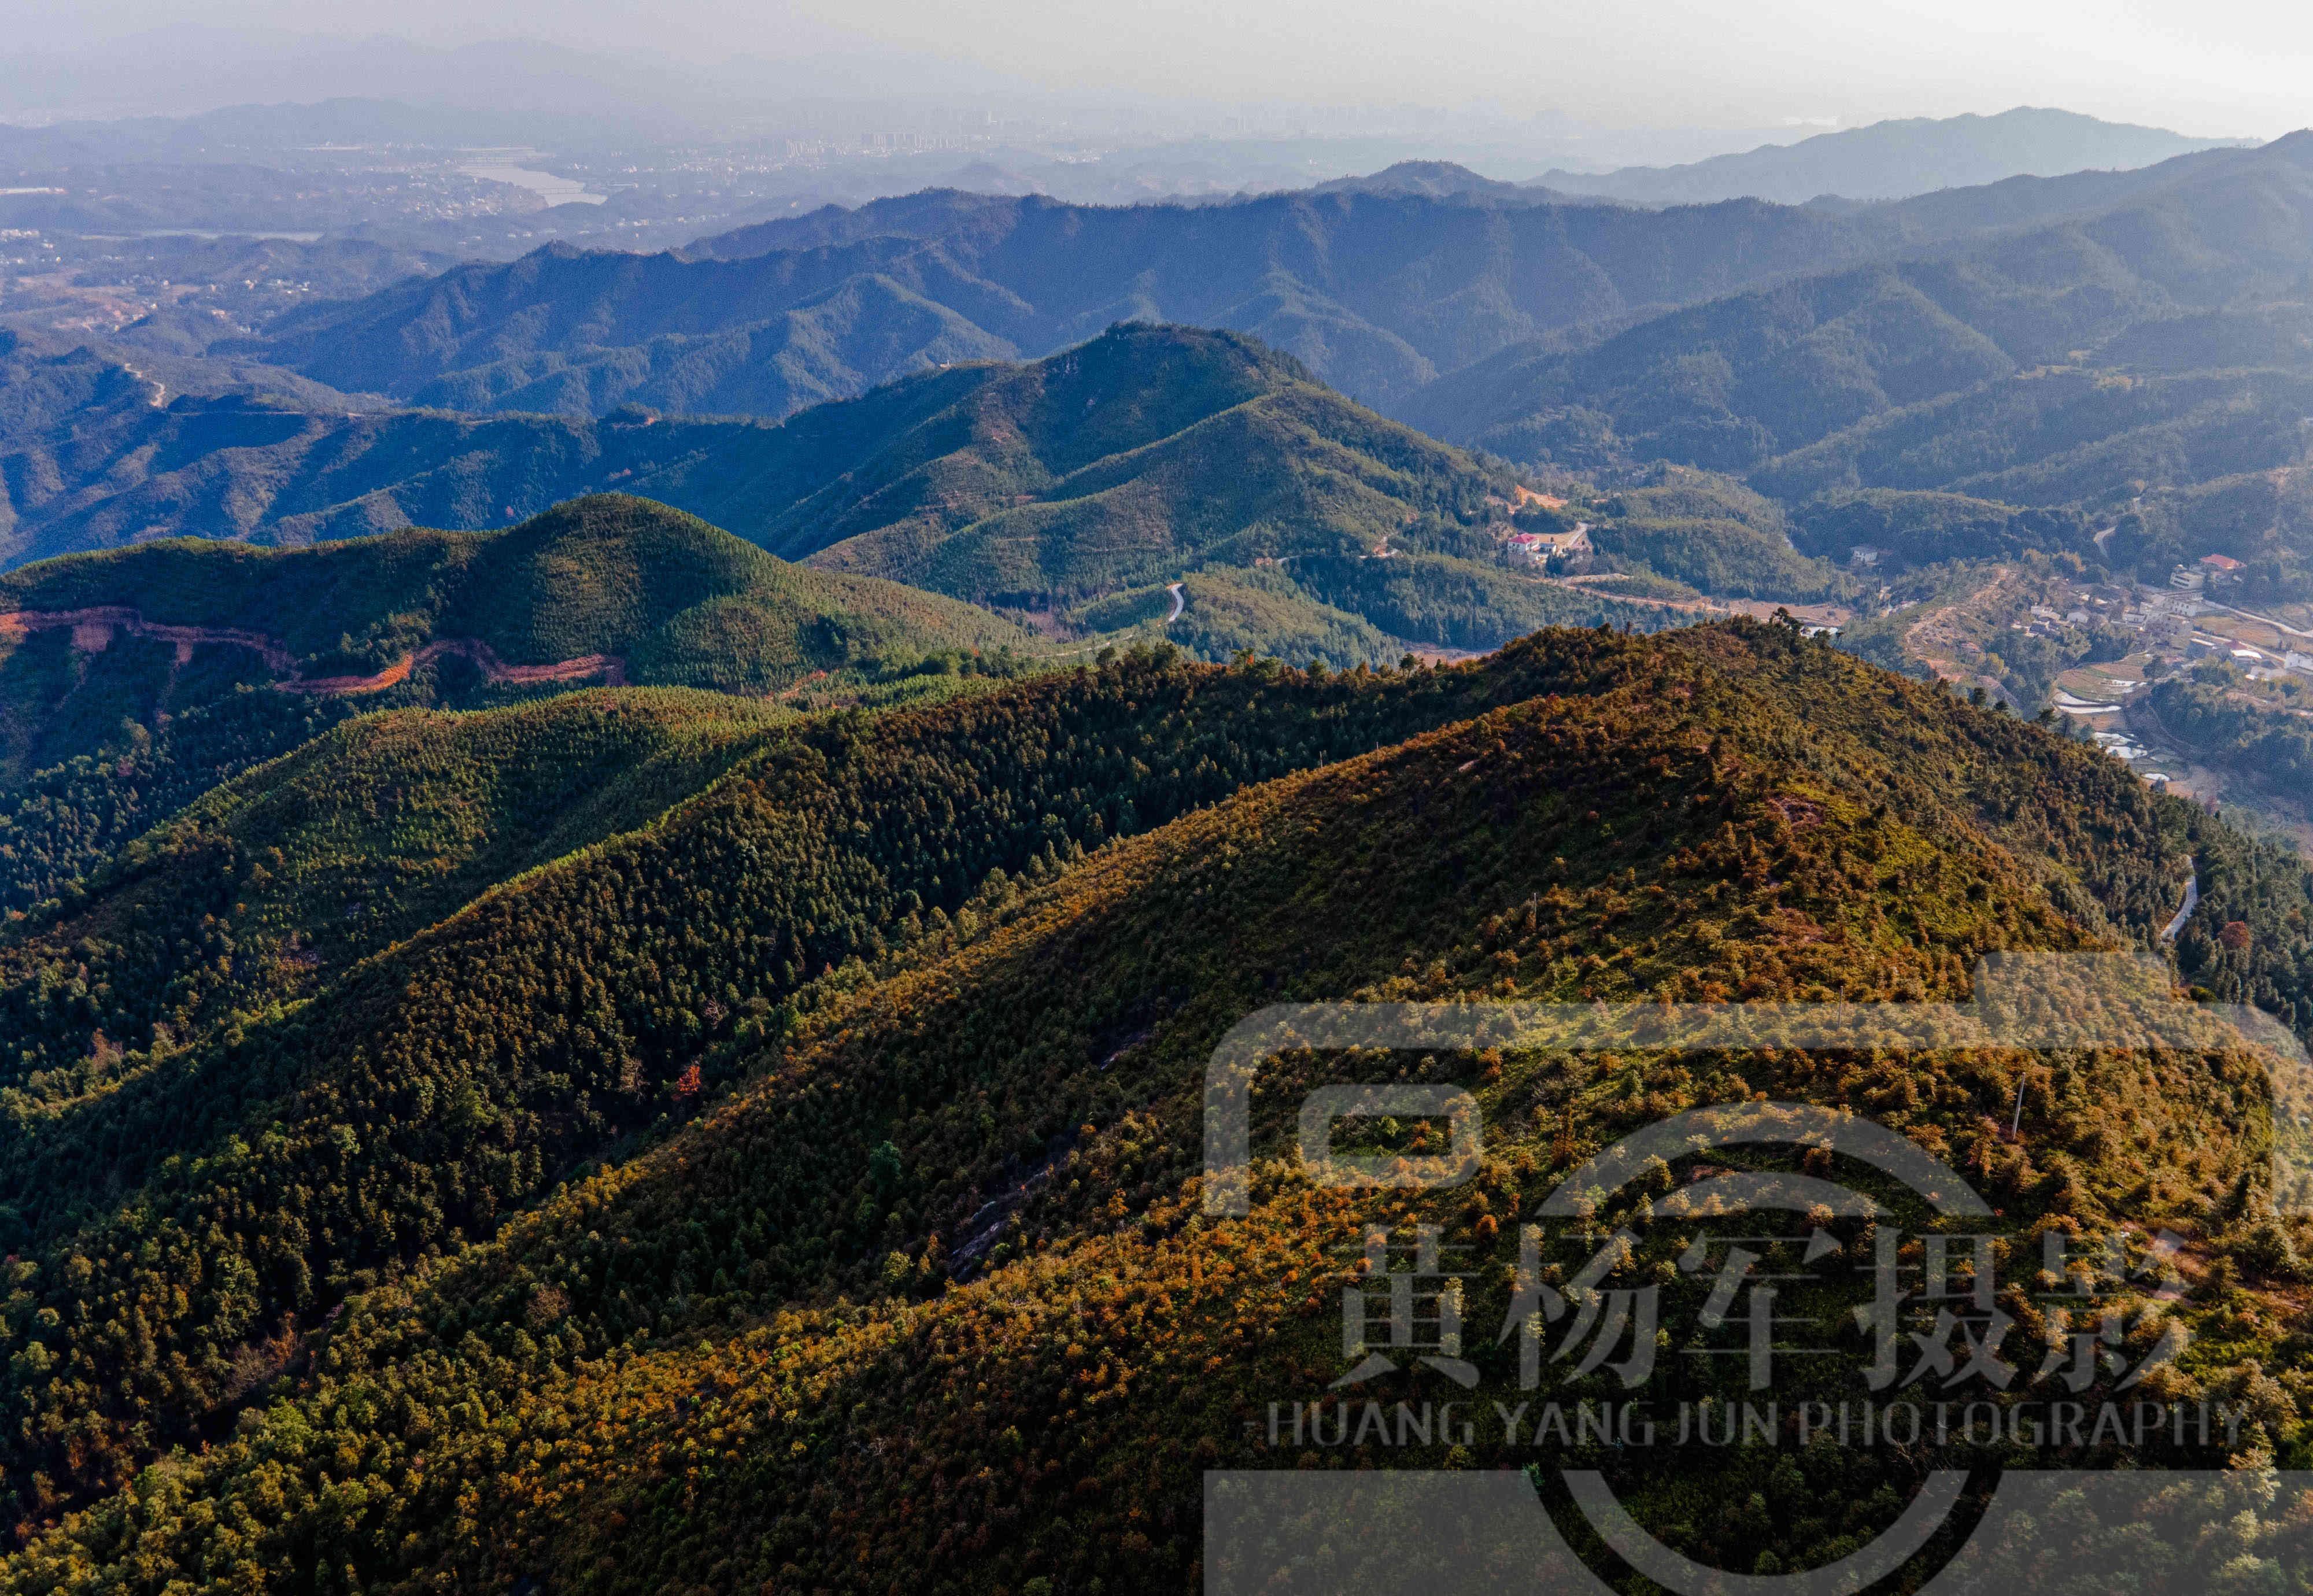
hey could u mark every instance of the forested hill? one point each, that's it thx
(1377, 293)
(907, 1268)
(132, 682)
(1085, 484)
(667, 596)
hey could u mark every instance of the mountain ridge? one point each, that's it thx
(1379, 284)
(609, 575)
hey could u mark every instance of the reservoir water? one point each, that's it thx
(503, 166)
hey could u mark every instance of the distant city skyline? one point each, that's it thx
(2228, 67)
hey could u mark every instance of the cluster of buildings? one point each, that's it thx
(2166, 622)
(1541, 548)
(2163, 620)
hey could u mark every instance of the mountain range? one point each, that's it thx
(1377, 293)
(2099, 346)
(2150, 341)
(2112, 352)
(2072, 340)
(2099, 352)
(1078, 487)
(1380, 286)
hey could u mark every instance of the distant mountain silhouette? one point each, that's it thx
(1895, 160)
(1380, 284)
(1434, 179)
(233, 132)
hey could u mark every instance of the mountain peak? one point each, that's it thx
(1431, 179)
(2296, 146)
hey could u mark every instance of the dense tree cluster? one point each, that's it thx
(1714, 535)
(264, 889)
(2206, 713)
(1930, 528)
(109, 762)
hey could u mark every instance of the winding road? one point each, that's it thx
(92, 630)
(609, 666)
(1179, 603)
(2192, 902)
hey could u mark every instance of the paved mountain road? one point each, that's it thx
(2192, 902)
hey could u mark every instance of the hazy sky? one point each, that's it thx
(2213, 67)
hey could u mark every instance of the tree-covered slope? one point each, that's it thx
(1071, 484)
(661, 948)
(132, 682)
(271, 886)
(931, 1288)
(1147, 451)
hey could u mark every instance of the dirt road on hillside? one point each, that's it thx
(92, 630)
